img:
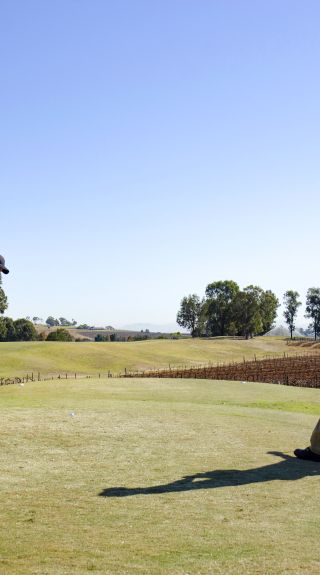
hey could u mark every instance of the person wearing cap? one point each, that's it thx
(3, 268)
(311, 453)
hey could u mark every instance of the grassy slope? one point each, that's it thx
(247, 511)
(53, 357)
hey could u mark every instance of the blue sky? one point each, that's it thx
(150, 148)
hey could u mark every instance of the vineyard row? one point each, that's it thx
(302, 371)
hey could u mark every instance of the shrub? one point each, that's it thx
(59, 334)
(24, 330)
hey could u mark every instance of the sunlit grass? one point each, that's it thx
(18, 358)
(149, 477)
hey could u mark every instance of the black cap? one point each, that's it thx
(3, 266)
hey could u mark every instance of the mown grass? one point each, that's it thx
(18, 358)
(150, 477)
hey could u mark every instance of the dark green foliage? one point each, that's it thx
(11, 334)
(291, 303)
(3, 330)
(220, 296)
(65, 322)
(19, 330)
(24, 330)
(3, 301)
(190, 313)
(51, 321)
(313, 309)
(59, 334)
(228, 311)
(269, 304)
(100, 337)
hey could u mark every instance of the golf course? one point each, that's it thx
(154, 477)
(51, 358)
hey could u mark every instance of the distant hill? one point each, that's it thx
(282, 331)
(162, 328)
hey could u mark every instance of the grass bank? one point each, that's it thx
(17, 358)
(146, 478)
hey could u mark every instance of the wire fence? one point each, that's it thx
(300, 371)
(37, 376)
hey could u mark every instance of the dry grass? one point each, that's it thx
(151, 478)
(17, 358)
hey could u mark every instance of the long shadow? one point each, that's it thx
(288, 469)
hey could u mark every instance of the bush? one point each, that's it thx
(100, 337)
(24, 330)
(59, 334)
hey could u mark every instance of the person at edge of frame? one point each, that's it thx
(311, 453)
(3, 268)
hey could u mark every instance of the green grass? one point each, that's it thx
(150, 477)
(18, 358)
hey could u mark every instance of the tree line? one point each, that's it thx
(226, 310)
(23, 329)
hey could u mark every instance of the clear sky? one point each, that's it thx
(150, 148)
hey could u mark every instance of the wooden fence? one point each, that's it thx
(21, 380)
(302, 371)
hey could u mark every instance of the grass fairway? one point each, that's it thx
(18, 358)
(157, 478)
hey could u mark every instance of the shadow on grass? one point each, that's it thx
(289, 469)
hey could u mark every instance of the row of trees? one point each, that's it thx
(17, 330)
(61, 321)
(292, 304)
(228, 310)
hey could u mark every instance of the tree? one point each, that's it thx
(291, 303)
(59, 334)
(269, 304)
(66, 322)
(11, 330)
(218, 307)
(313, 309)
(3, 301)
(189, 314)
(3, 330)
(247, 311)
(255, 311)
(51, 321)
(24, 330)
(36, 319)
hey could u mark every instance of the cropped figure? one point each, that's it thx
(3, 268)
(311, 453)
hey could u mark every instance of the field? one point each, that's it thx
(18, 358)
(157, 477)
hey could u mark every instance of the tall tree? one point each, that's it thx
(269, 304)
(247, 311)
(313, 309)
(220, 297)
(11, 330)
(3, 330)
(25, 330)
(254, 311)
(3, 299)
(189, 314)
(291, 302)
(51, 321)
